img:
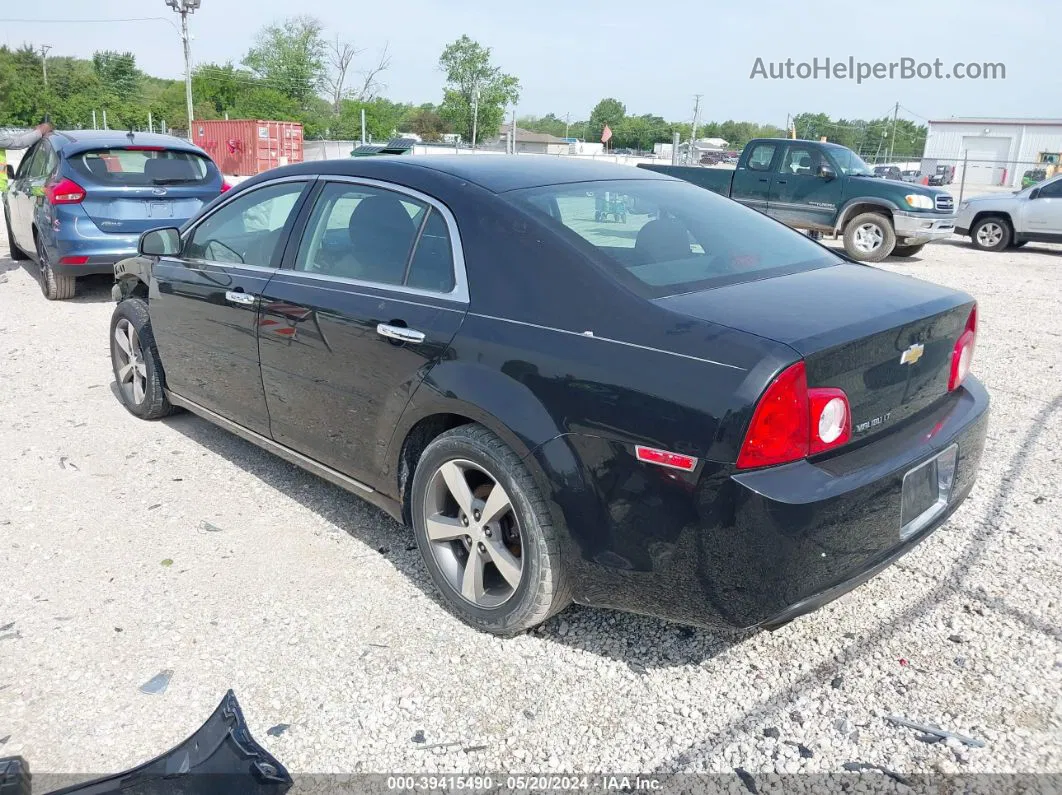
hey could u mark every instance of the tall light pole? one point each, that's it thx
(44, 61)
(475, 115)
(184, 8)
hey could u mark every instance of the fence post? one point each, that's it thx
(962, 182)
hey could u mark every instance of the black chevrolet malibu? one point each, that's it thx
(575, 381)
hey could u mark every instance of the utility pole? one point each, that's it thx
(693, 130)
(184, 8)
(475, 115)
(512, 130)
(567, 124)
(44, 62)
(892, 143)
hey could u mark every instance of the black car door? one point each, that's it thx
(204, 302)
(372, 295)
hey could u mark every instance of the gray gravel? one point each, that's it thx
(130, 549)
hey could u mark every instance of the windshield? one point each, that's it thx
(664, 237)
(147, 166)
(849, 162)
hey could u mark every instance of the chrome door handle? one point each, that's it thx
(399, 333)
(245, 299)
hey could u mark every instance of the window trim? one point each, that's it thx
(187, 232)
(459, 294)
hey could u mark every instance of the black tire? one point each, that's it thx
(543, 589)
(907, 251)
(55, 286)
(991, 233)
(17, 254)
(153, 404)
(884, 226)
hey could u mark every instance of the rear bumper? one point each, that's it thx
(760, 548)
(916, 228)
(73, 234)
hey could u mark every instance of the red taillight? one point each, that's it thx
(65, 191)
(665, 459)
(225, 186)
(779, 430)
(73, 260)
(962, 355)
(792, 422)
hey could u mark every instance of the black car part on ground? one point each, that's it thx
(222, 758)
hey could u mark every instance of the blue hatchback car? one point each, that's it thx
(80, 200)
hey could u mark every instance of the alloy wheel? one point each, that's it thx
(474, 533)
(868, 237)
(989, 234)
(132, 369)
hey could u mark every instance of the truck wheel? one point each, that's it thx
(991, 233)
(907, 251)
(17, 254)
(486, 534)
(869, 237)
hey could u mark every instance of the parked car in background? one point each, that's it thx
(1033, 176)
(739, 427)
(1009, 220)
(944, 175)
(910, 175)
(80, 200)
(827, 188)
(888, 172)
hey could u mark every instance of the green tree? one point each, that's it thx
(117, 73)
(426, 122)
(290, 57)
(473, 82)
(608, 111)
(220, 84)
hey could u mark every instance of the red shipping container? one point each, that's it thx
(246, 147)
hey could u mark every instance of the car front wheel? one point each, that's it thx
(486, 534)
(135, 360)
(991, 234)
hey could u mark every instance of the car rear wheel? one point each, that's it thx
(869, 237)
(16, 253)
(485, 533)
(991, 233)
(135, 360)
(907, 251)
(55, 286)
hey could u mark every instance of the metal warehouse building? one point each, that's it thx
(995, 151)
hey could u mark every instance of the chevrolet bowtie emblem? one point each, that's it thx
(912, 354)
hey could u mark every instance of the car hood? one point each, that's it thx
(907, 187)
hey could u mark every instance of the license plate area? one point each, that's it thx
(160, 210)
(927, 491)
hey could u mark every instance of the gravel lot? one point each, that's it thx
(129, 548)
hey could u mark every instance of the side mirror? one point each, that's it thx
(1035, 194)
(826, 172)
(10, 169)
(160, 242)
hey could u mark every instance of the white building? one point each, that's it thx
(997, 151)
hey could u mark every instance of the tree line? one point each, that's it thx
(295, 72)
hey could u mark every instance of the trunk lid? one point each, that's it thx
(131, 190)
(858, 329)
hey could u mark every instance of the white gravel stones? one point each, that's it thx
(278, 589)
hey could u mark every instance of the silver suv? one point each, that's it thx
(1009, 220)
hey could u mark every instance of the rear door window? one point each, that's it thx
(141, 166)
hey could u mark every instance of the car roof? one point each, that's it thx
(74, 141)
(496, 173)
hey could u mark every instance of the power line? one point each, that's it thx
(84, 21)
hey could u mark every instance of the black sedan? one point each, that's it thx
(696, 413)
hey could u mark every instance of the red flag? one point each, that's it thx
(606, 134)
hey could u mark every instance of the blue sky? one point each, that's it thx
(652, 56)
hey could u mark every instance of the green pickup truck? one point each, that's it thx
(828, 188)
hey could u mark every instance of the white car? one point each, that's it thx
(1008, 220)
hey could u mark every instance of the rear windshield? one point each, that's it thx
(122, 166)
(668, 237)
